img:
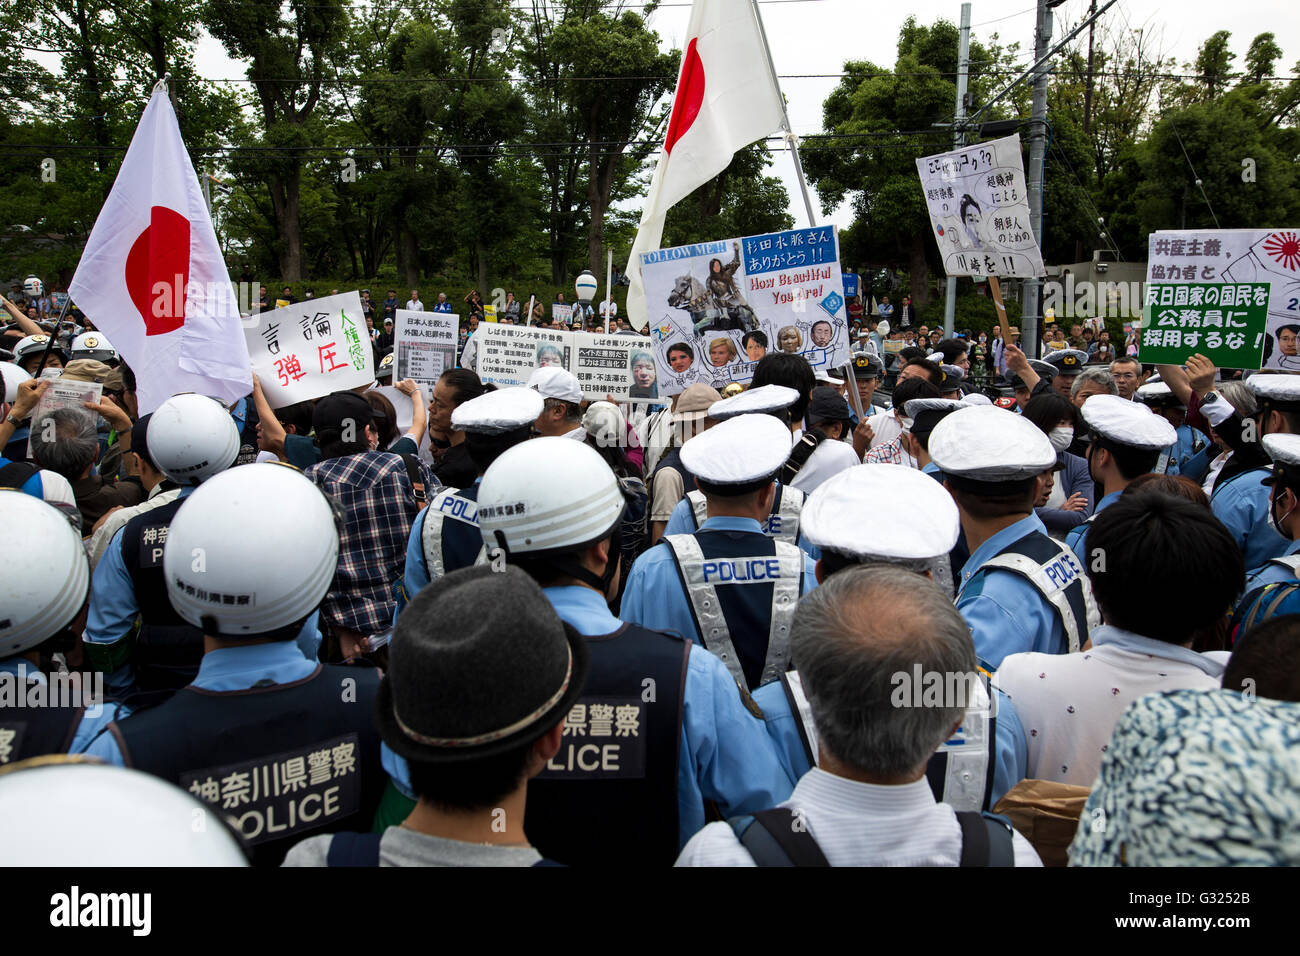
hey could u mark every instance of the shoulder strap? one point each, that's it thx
(785, 598)
(1290, 561)
(800, 454)
(985, 841)
(354, 849)
(699, 507)
(431, 536)
(16, 474)
(966, 759)
(1073, 602)
(705, 605)
(417, 483)
(789, 507)
(1278, 594)
(801, 710)
(777, 837)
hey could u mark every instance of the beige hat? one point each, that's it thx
(86, 370)
(694, 403)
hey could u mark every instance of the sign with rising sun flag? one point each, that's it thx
(1232, 295)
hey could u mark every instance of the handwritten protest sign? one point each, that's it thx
(1232, 295)
(716, 308)
(979, 210)
(424, 346)
(310, 349)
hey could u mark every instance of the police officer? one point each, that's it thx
(783, 523)
(1127, 441)
(46, 583)
(445, 535)
(730, 584)
(921, 415)
(1027, 386)
(1278, 398)
(1160, 398)
(93, 345)
(1283, 514)
(133, 633)
(28, 352)
(661, 726)
(1020, 590)
(868, 370)
(987, 756)
(281, 744)
(1066, 364)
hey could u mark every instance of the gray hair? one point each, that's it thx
(1094, 375)
(851, 640)
(1240, 397)
(65, 441)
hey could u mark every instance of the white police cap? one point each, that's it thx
(765, 398)
(824, 376)
(844, 514)
(987, 443)
(976, 398)
(551, 381)
(1127, 423)
(740, 450)
(1283, 448)
(1276, 388)
(1155, 393)
(919, 405)
(500, 411)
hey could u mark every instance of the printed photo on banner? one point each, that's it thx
(979, 210)
(716, 308)
(1232, 295)
(311, 348)
(603, 364)
(424, 346)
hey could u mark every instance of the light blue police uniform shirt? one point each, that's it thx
(1242, 506)
(1269, 573)
(1183, 450)
(231, 669)
(1011, 747)
(682, 521)
(1005, 613)
(654, 597)
(1077, 537)
(91, 723)
(416, 575)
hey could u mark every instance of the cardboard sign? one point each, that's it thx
(424, 346)
(716, 308)
(1233, 295)
(310, 349)
(979, 210)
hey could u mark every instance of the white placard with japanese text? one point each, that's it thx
(424, 346)
(311, 348)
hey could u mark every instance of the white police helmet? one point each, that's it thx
(33, 345)
(13, 377)
(46, 581)
(93, 345)
(139, 819)
(191, 438)
(221, 579)
(579, 503)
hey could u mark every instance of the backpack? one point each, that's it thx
(777, 840)
(636, 521)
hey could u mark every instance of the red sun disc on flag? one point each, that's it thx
(1284, 249)
(690, 96)
(158, 271)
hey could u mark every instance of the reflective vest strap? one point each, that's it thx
(1163, 462)
(431, 538)
(705, 605)
(699, 507)
(801, 710)
(785, 598)
(968, 765)
(790, 508)
(1290, 561)
(1076, 630)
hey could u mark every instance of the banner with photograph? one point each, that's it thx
(979, 210)
(310, 349)
(424, 346)
(618, 365)
(1233, 295)
(716, 308)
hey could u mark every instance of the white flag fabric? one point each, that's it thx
(726, 99)
(152, 277)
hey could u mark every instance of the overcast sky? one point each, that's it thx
(817, 36)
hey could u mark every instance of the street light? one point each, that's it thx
(585, 286)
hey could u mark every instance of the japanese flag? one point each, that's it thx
(726, 99)
(152, 276)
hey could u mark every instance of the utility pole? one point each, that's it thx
(1037, 152)
(958, 141)
(1087, 89)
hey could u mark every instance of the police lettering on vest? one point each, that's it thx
(742, 570)
(601, 740)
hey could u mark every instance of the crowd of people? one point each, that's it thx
(802, 623)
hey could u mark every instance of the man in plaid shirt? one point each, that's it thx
(379, 505)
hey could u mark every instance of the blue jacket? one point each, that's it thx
(1073, 478)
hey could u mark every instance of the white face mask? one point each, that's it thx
(1061, 437)
(1275, 523)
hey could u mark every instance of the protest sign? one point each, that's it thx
(618, 365)
(404, 406)
(561, 313)
(65, 393)
(979, 210)
(490, 313)
(716, 308)
(850, 284)
(1233, 295)
(310, 349)
(424, 346)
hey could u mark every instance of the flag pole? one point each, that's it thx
(49, 346)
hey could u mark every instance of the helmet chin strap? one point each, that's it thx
(569, 565)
